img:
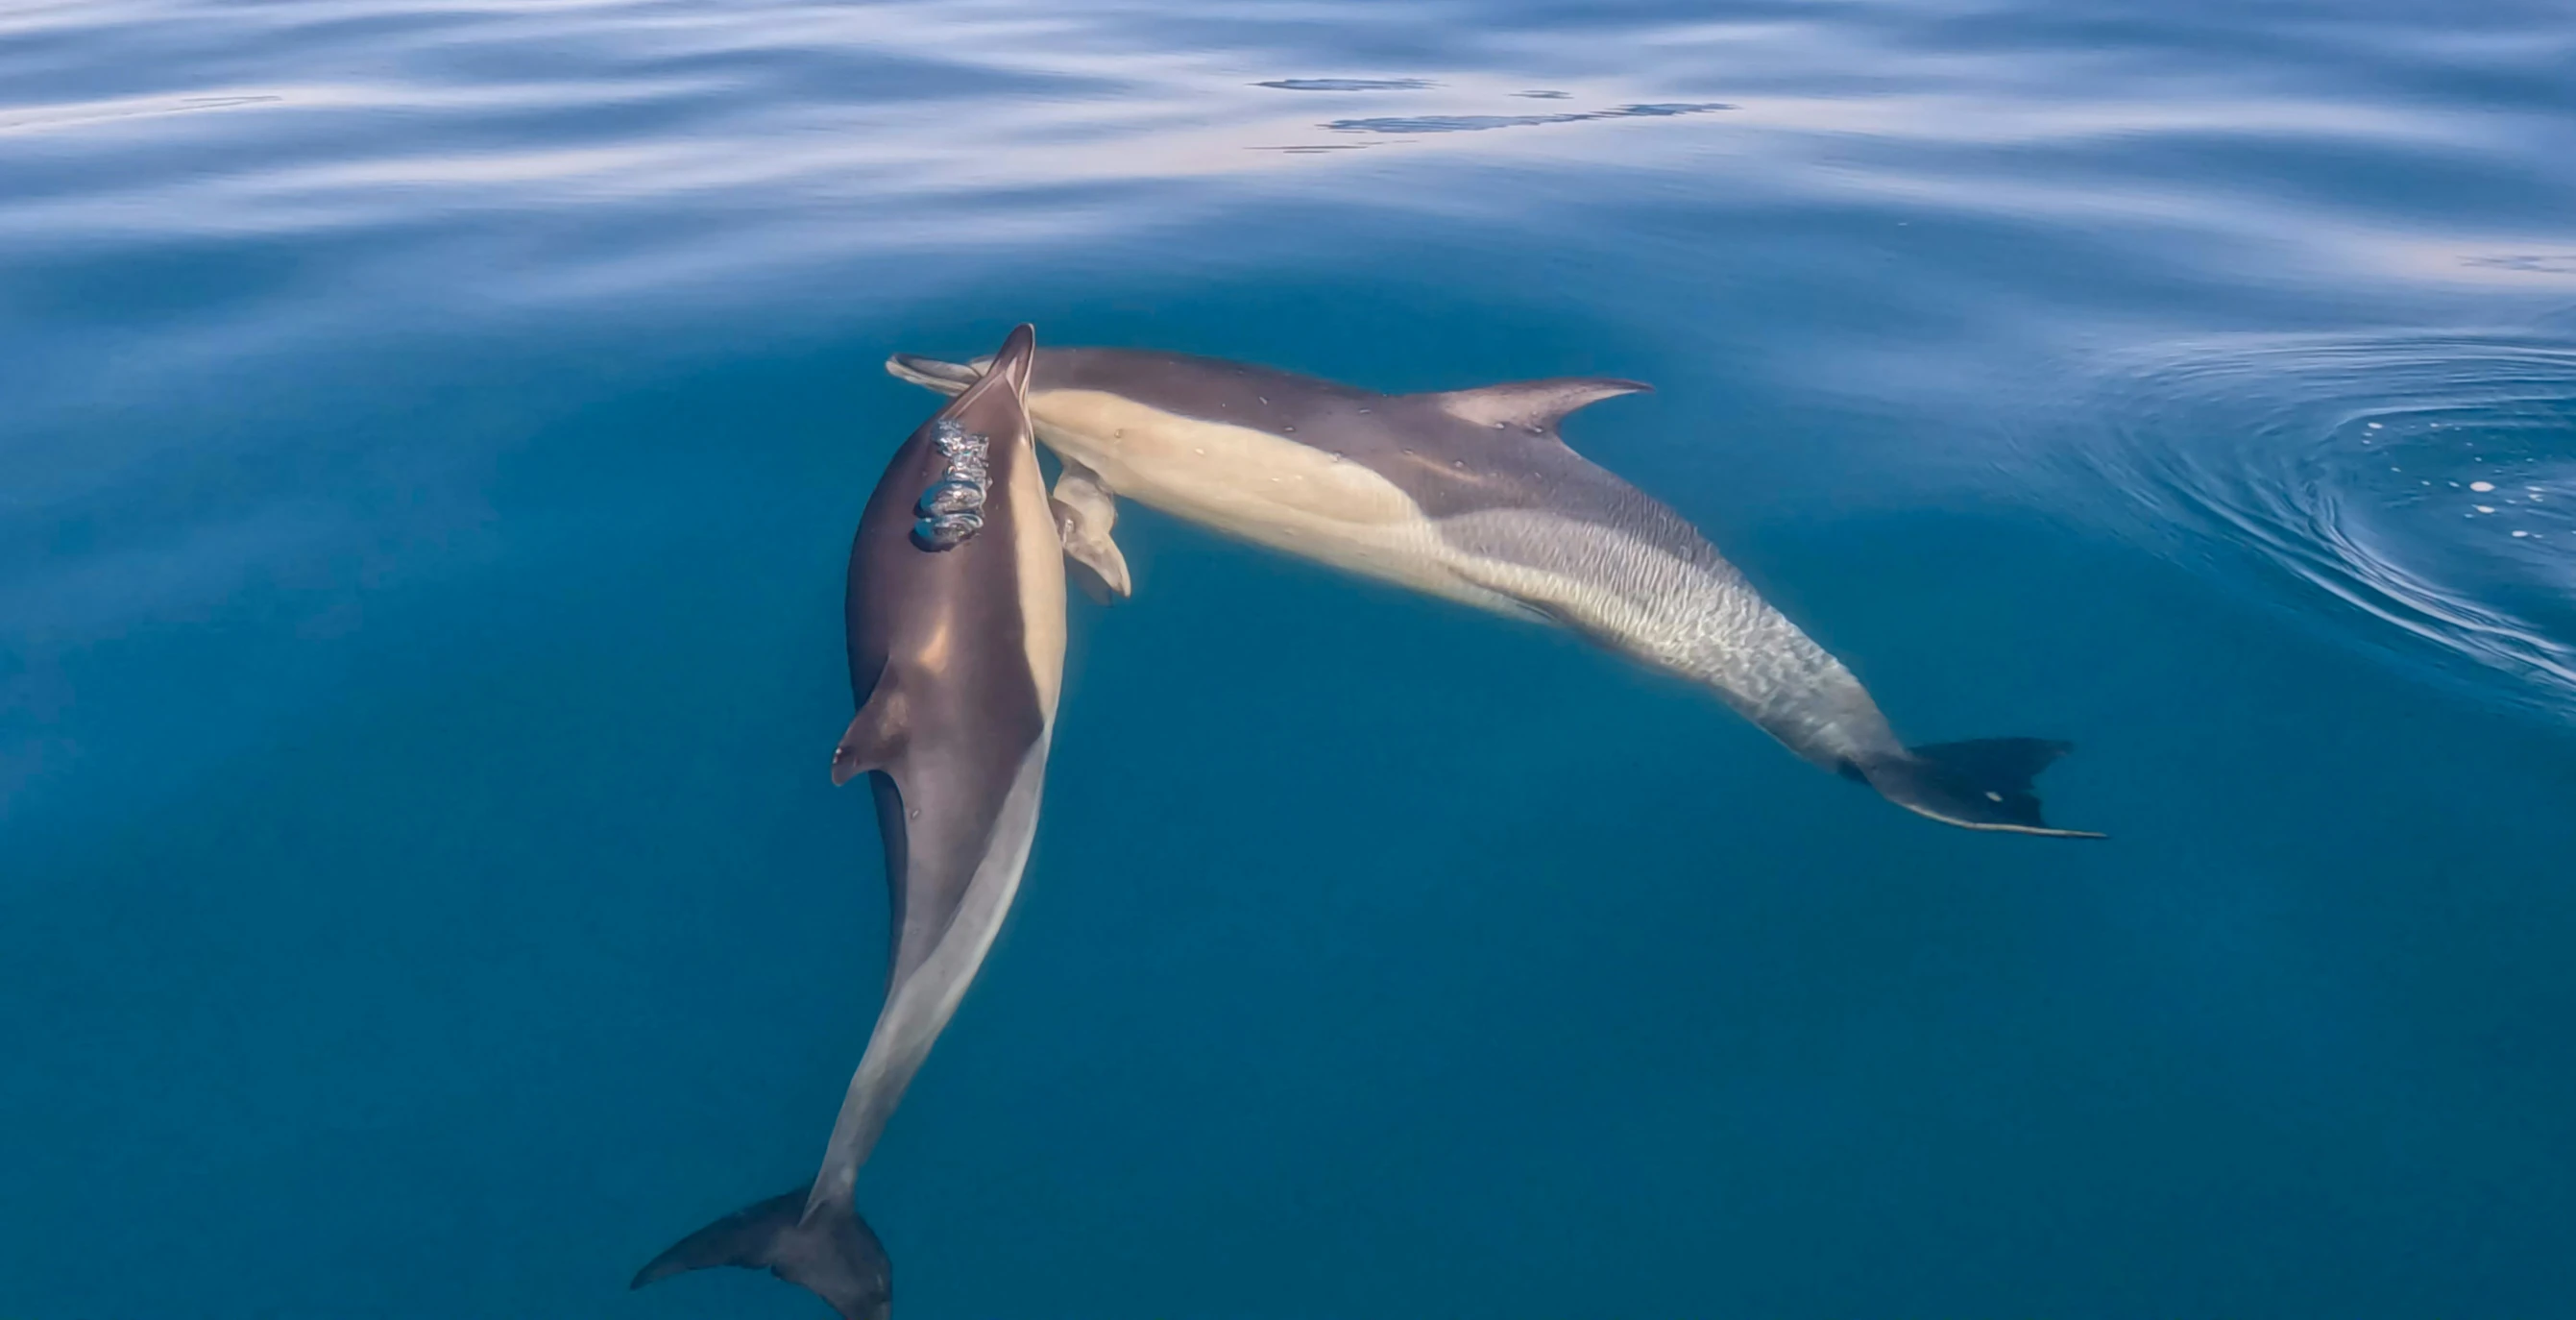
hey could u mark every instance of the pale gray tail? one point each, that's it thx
(1980, 785)
(831, 1252)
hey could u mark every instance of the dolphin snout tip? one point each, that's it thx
(947, 377)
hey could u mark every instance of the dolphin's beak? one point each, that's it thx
(931, 373)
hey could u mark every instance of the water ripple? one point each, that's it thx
(1349, 84)
(1479, 123)
(2429, 482)
(775, 135)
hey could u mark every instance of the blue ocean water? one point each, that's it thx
(430, 435)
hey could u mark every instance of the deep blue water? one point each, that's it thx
(429, 440)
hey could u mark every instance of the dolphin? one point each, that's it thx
(1472, 495)
(955, 617)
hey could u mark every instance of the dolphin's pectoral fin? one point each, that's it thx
(1532, 405)
(875, 736)
(1085, 510)
(1979, 785)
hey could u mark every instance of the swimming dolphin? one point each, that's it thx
(955, 615)
(1472, 495)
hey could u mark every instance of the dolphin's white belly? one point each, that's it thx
(1040, 558)
(1259, 487)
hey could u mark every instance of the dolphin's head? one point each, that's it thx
(931, 373)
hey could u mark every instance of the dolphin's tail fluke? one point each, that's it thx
(1980, 785)
(831, 1252)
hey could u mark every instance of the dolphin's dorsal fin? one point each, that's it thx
(1534, 405)
(875, 736)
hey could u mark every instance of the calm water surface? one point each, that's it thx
(429, 439)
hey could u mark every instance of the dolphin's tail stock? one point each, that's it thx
(1980, 785)
(829, 1252)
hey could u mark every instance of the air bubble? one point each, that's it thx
(947, 531)
(947, 497)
